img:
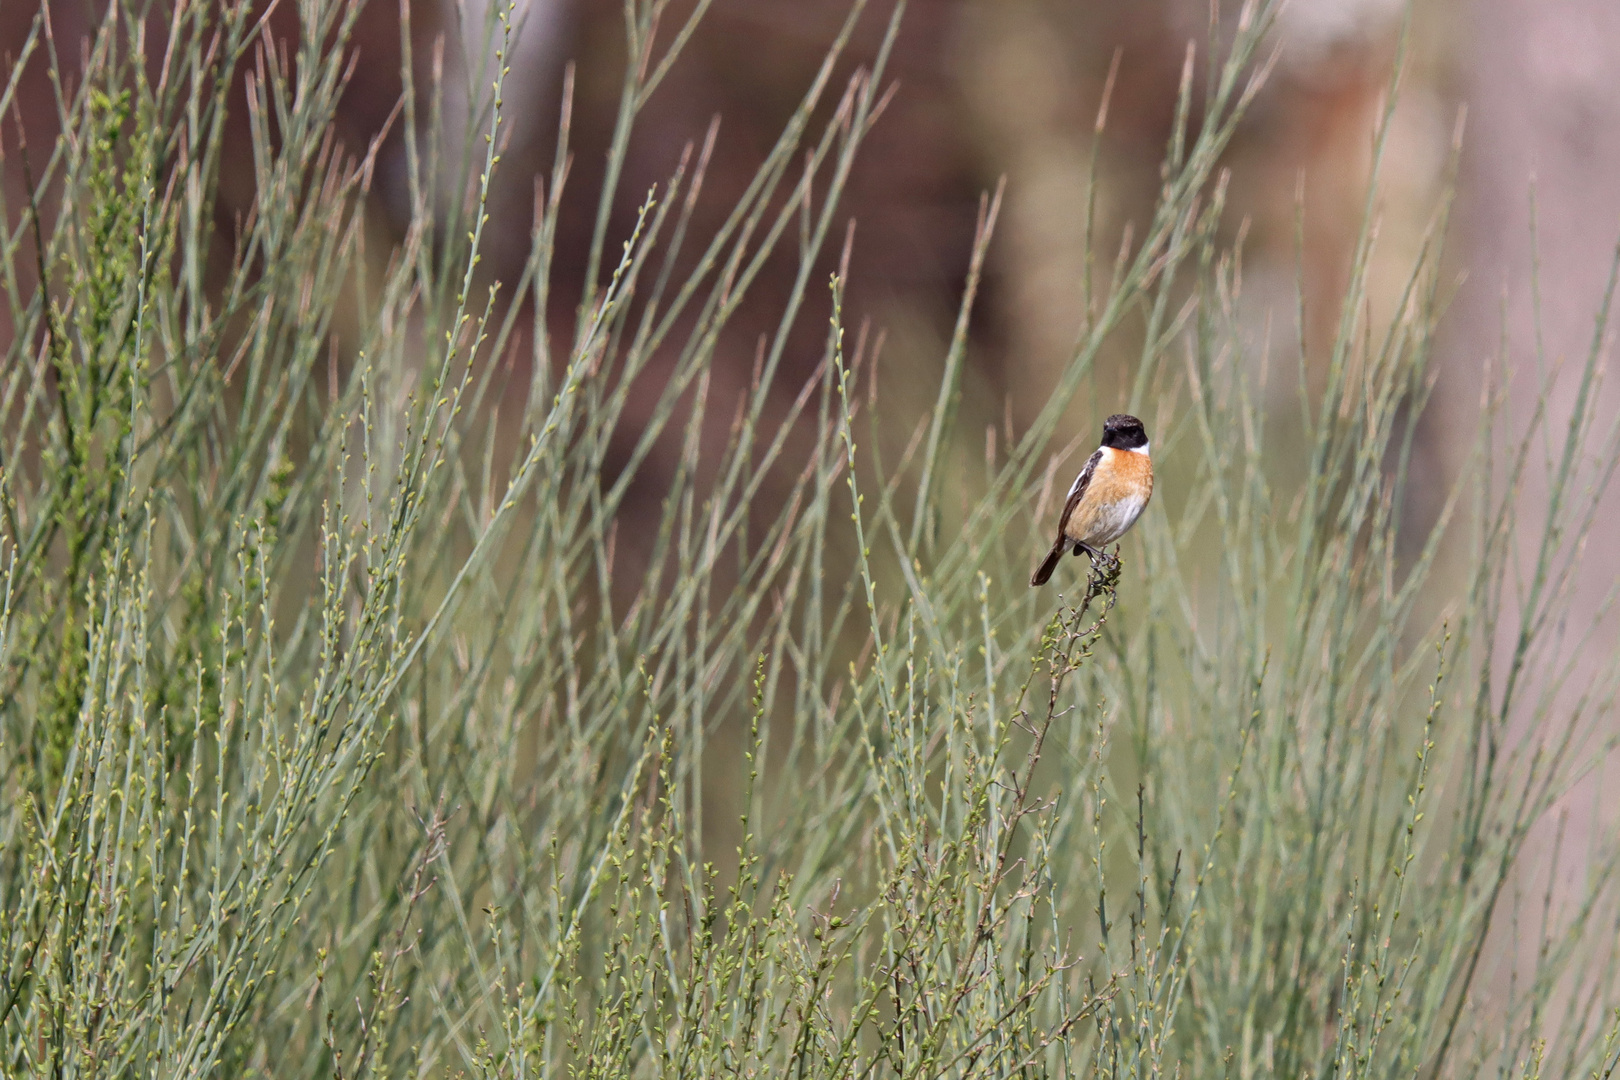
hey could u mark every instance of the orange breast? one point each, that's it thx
(1119, 490)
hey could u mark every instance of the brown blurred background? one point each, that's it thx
(1010, 88)
(992, 88)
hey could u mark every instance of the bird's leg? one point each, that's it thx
(1104, 568)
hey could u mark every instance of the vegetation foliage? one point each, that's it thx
(342, 736)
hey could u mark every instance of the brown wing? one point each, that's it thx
(1078, 491)
(1043, 572)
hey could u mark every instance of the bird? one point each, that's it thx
(1107, 497)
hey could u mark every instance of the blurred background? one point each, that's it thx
(1011, 88)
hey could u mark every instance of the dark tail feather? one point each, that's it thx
(1043, 572)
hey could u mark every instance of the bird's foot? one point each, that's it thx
(1105, 567)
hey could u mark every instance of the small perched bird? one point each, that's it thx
(1107, 497)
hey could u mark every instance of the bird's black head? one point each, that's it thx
(1124, 432)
